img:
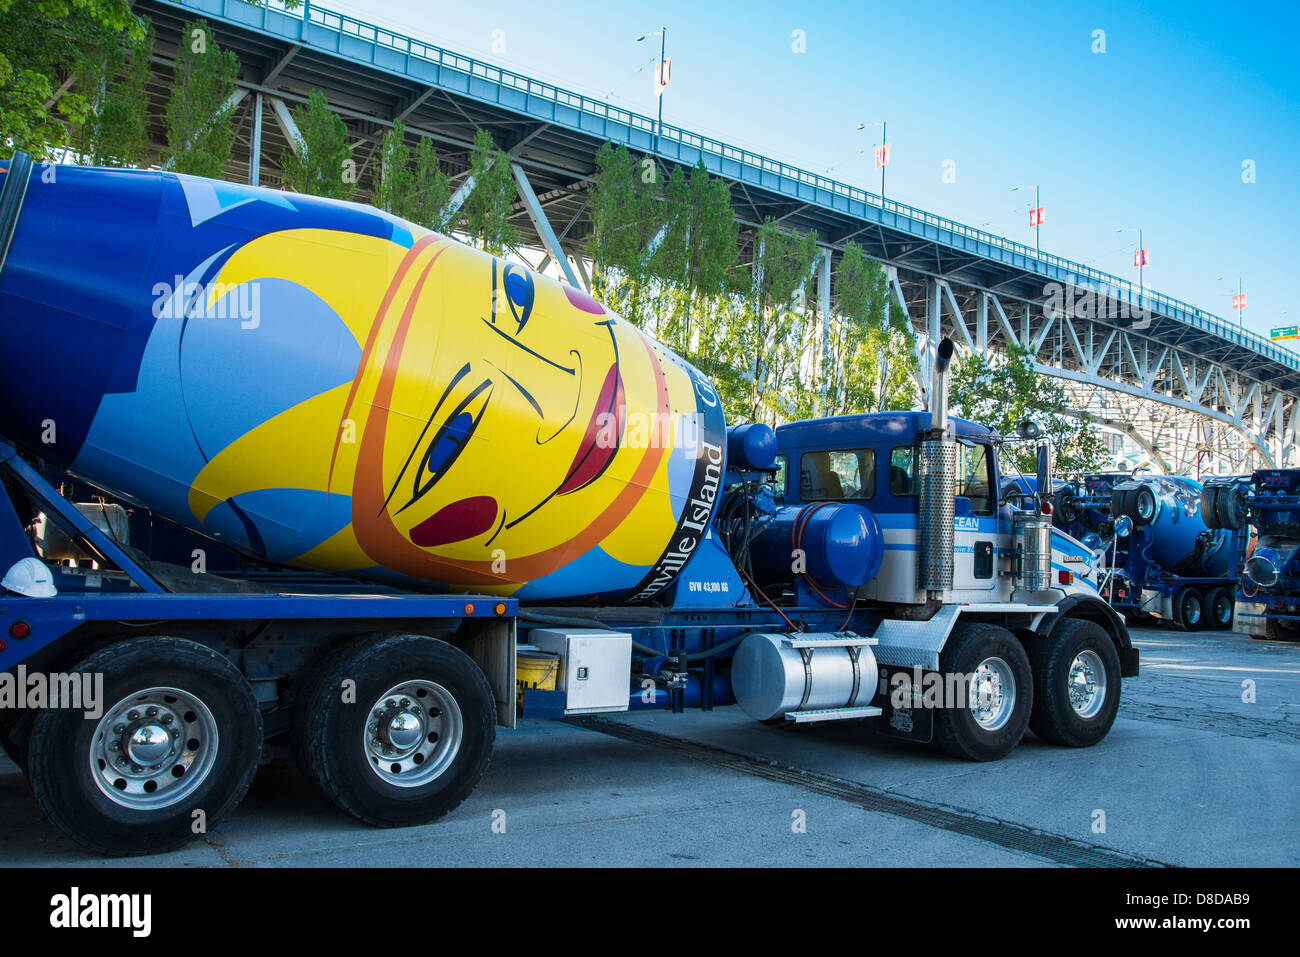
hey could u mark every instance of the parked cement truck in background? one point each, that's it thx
(1264, 509)
(1164, 559)
(285, 473)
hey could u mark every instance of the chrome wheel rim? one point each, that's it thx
(1087, 684)
(153, 748)
(1192, 611)
(413, 733)
(992, 693)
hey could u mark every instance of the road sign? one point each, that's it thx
(1284, 332)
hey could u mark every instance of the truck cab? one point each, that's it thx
(873, 460)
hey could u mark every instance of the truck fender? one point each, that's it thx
(1094, 609)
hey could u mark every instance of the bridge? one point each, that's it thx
(1198, 394)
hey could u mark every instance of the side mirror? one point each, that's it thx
(1044, 475)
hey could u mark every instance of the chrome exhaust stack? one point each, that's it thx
(936, 509)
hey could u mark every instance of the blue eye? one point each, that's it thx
(519, 290)
(448, 442)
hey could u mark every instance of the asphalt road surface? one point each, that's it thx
(1199, 769)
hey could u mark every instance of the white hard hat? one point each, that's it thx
(30, 577)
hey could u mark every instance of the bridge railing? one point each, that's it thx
(1114, 286)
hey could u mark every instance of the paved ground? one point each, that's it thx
(1193, 773)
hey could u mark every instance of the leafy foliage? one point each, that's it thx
(771, 337)
(1002, 391)
(872, 358)
(200, 131)
(323, 164)
(418, 194)
(113, 77)
(45, 47)
(490, 203)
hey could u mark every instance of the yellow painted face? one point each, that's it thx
(498, 427)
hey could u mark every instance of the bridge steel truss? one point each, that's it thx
(1196, 393)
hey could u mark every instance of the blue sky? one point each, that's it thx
(1152, 133)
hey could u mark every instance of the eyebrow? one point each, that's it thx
(515, 342)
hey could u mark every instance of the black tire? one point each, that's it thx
(1118, 502)
(336, 729)
(1066, 505)
(956, 730)
(1219, 605)
(1230, 508)
(64, 743)
(1055, 718)
(15, 729)
(1210, 495)
(1142, 499)
(1189, 608)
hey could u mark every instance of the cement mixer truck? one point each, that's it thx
(1163, 559)
(1264, 510)
(285, 474)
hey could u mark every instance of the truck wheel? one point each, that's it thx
(1230, 508)
(1210, 506)
(1143, 506)
(1076, 684)
(407, 739)
(15, 729)
(999, 690)
(180, 733)
(1189, 609)
(1219, 606)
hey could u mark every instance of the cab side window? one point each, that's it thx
(780, 482)
(903, 479)
(973, 478)
(837, 475)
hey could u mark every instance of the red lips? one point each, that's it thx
(601, 440)
(456, 522)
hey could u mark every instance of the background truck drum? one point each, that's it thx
(397, 732)
(180, 733)
(1218, 608)
(1076, 684)
(1189, 608)
(999, 689)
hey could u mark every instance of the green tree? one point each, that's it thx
(490, 203)
(322, 165)
(432, 189)
(418, 194)
(44, 47)
(627, 214)
(200, 131)
(696, 260)
(872, 359)
(113, 78)
(395, 191)
(772, 333)
(1001, 391)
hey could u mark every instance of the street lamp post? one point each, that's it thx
(883, 159)
(1140, 257)
(1036, 215)
(663, 43)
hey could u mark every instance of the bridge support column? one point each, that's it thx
(255, 144)
(982, 325)
(824, 302)
(543, 225)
